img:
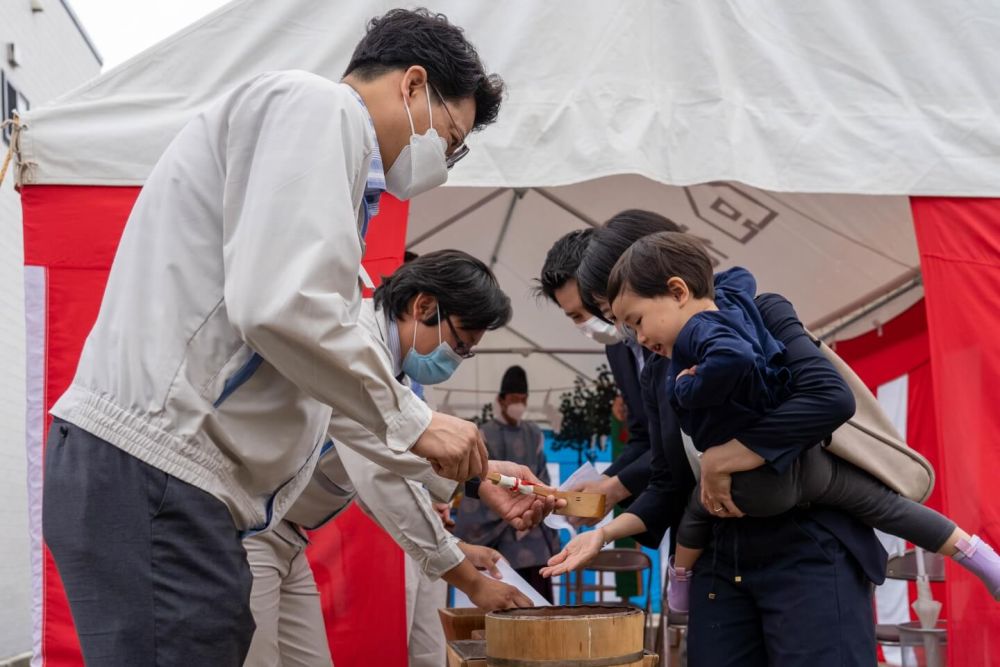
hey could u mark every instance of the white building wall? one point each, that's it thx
(55, 57)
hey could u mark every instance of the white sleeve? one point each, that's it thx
(349, 435)
(292, 252)
(403, 508)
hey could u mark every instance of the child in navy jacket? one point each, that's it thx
(725, 373)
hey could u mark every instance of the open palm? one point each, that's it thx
(580, 551)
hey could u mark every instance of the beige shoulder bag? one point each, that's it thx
(871, 442)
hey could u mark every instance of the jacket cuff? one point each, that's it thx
(446, 557)
(413, 418)
(635, 477)
(779, 460)
(442, 490)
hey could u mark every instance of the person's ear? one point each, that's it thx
(424, 306)
(414, 80)
(678, 290)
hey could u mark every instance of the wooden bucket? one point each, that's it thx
(578, 636)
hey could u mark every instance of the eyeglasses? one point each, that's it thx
(462, 348)
(461, 150)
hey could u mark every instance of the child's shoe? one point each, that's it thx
(678, 588)
(979, 558)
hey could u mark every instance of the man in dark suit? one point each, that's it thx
(629, 473)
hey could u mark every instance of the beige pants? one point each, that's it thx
(285, 604)
(286, 607)
(423, 625)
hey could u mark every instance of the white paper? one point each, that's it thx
(510, 576)
(582, 475)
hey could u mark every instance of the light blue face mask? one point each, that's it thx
(435, 367)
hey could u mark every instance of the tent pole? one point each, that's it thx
(538, 347)
(455, 218)
(518, 195)
(566, 207)
(889, 298)
(865, 300)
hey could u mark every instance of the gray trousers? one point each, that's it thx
(153, 568)
(818, 477)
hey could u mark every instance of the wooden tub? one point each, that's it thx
(577, 636)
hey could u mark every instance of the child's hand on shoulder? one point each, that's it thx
(687, 371)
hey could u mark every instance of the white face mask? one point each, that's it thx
(515, 411)
(421, 165)
(603, 332)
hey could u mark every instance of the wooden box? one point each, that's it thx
(460, 623)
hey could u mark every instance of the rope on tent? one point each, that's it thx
(12, 122)
(14, 149)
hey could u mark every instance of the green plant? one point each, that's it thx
(485, 414)
(586, 414)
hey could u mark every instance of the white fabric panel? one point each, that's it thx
(34, 314)
(892, 599)
(825, 96)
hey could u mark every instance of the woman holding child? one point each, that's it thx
(791, 584)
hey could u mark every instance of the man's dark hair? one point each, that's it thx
(610, 241)
(650, 262)
(561, 262)
(402, 38)
(463, 286)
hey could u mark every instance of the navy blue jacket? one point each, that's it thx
(821, 401)
(740, 366)
(632, 466)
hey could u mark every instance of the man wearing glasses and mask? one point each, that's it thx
(228, 338)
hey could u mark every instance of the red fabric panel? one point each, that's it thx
(73, 226)
(386, 241)
(878, 357)
(922, 435)
(360, 574)
(902, 348)
(74, 231)
(959, 243)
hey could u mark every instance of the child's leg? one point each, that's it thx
(762, 492)
(828, 480)
(694, 532)
(693, 535)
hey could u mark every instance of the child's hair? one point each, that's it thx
(650, 262)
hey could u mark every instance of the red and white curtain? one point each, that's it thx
(936, 369)
(70, 237)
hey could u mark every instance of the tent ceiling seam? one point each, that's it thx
(555, 358)
(567, 207)
(455, 218)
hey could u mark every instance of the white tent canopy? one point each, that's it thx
(762, 105)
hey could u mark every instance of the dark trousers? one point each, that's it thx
(779, 592)
(154, 568)
(818, 477)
